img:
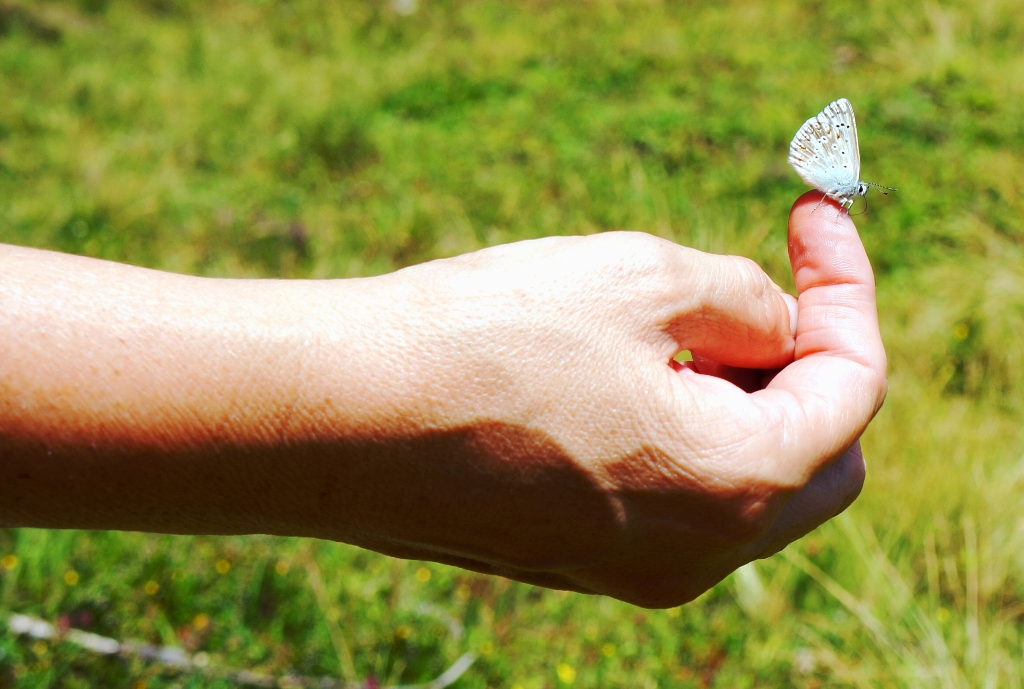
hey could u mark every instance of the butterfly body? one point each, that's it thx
(826, 154)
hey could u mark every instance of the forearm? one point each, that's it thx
(136, 399)
(515, 410)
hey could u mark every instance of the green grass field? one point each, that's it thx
(334, 139)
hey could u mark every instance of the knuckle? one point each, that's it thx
(749, 523)
(646, 263)
(753, 277)
(777, 484)
(755, 507)
(880, 385)
(651, 255)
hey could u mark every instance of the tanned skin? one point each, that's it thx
(516, 410)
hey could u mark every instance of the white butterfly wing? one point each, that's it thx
(825, 152)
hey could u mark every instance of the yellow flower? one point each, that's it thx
(9, 562)
(403, 632)
(223, 566)
(566, 673)
(151, 588)
(201, 621)
(282, 567)
(71, 577)
(423, 575)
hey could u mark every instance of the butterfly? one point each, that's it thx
(826, 155)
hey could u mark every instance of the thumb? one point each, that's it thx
(824, 400)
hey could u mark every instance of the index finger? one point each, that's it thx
(823, 401)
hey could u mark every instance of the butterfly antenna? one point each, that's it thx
(880, 187)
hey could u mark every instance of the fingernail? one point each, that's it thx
(794, 309)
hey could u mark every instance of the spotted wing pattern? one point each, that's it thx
(825, 152)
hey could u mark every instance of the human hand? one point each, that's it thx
(516, 410)
(548, 436)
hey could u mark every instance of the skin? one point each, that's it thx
(514, 411)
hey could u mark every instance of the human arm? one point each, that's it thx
(512, 411)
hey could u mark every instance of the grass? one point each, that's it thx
(315, 139)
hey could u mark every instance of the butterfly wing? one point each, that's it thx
(825, 151)
(842, 115)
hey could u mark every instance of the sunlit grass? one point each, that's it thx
(314, 139)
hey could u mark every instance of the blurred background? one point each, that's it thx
(321, 139)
